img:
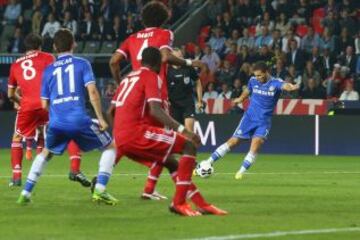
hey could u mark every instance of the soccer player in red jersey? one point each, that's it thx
(26, 74)
(140, 95)
(154, 15)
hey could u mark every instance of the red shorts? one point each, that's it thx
(27, 122)
(152, 144)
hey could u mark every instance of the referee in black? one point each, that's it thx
(181, 83)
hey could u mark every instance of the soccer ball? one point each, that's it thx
(204, 169)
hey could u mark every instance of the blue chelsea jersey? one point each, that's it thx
(64, 85)
(263, 98)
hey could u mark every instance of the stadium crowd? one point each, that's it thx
(313, 43)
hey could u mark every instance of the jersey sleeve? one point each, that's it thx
(250, 86)
(152, 87)
(124, 48)
(166, 39)
(45, 88)
(279, 83)
(12, 80)
(88, 74)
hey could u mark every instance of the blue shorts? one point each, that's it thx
(87, 138)
(248, 129)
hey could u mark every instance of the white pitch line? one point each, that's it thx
(219, 173)
(279, 234)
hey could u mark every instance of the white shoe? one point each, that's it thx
(153, 196)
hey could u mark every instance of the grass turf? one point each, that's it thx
(282, 193)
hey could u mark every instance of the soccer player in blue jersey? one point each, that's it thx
(264, 91)
(64, 85)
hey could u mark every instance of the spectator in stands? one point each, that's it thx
(69, 23)
(237, 89)
(279, 70)
(217, 41)
(103, 30)
(36, 22)
(265, 21)
(329, 60)
(264, 54)
(290, 35)
(12, 12)
(245, 12)
(304, 10)
(244, 55)
(347, 22)
(24, 25)
(349, 59)
(246, 40)
(214, 8)
(118, 30)
(331, 6)
(328, 40)
(331, 23)
(345, 40)
(231, 55)
(50, 27)
(296, 56)
(226, 73)
(105, 10)
(276, 41)
(16, 44)
(210, 92)
(211, 59)
(245, 73)
(312, 91)
(311, 72)
(228, 24)
(197, 53)
(310, 40)
(318, 61)
(87, 29)
(264, 39)
(358, 66)
(357, 43)
(282, 24)
(225, 92)
(349, 94)
(292, 75)
(234, 38)
(334, 82)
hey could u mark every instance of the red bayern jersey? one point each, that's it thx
(133, 46)
(26, 73)
(131, 100)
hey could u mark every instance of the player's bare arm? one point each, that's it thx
(170, 58)
(159, 114)
(110, 113)
(96, 103)
(199, 92)
(45, 104)
(290, 87)
(115, 66)
(242, 97)
(13, 96)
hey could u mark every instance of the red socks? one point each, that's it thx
(193, 193)
(185, 169)
(16, 159)
(153, 177)
(75, 157)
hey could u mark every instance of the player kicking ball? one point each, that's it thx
(264, 91)
(64, 84)
(140, 98)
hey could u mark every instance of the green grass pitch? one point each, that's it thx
(283, 193)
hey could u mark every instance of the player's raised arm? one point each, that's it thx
(245, 94)
(170, 58)
(115, 68)
(290, 87)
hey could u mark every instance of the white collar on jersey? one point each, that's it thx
(145, 68)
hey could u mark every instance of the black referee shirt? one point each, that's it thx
(181, 83)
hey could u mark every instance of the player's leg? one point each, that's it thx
(75, 160)
(153, 176)
(29, 146)
(37, 168)
(40, 142)
(16, 160)
(90, 138)
(250, 157)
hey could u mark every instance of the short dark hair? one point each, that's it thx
(63, 40)
(261, 66)
(151, 56)
(33, 41)
(155, 14)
